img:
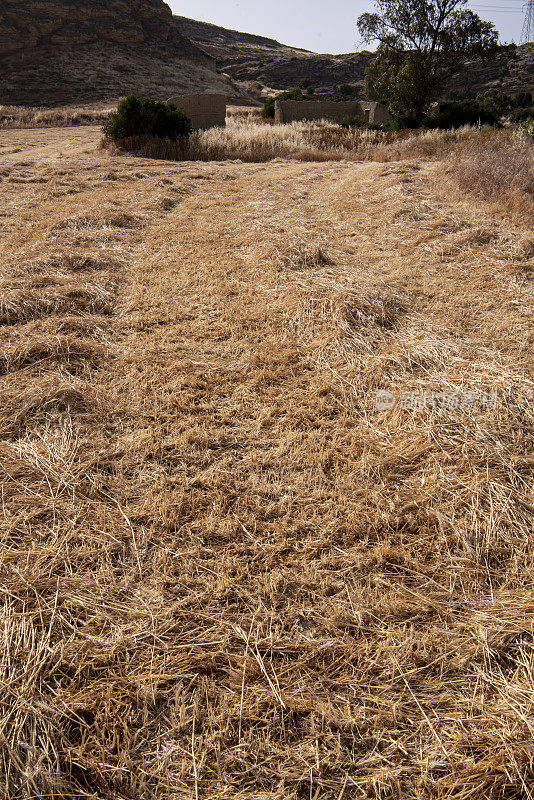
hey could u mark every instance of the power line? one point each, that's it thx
(528, 27)
(504, 9)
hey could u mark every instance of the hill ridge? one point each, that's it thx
(55, 52)
(252, 59)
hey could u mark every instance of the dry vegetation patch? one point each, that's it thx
(493, 164)
(251, 141)
(499, 168)
(226, 572)
(16, 117)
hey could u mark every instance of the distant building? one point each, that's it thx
(309, 110)
(204, 110)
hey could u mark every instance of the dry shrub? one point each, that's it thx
(150, 147)
(166, 203)
(381, 309)
(524, 247)
(81, 262)
(251, 116)
(368, 145)
(298, 254)
(118, 219)
(41, 400)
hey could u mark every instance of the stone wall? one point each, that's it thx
(310, 110)
(375, 113)
(205, 110)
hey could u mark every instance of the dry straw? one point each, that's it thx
(224, 572)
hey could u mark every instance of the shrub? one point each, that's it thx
(347, 90)
(337, 97)
(527, 128)
(268, 108)
(523, 99)
(496, 102)
(400, 122)
(142, 116)
(457, 113)
(352, 122)
(497, 166)
(522, 115)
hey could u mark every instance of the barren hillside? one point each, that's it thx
(59, 52)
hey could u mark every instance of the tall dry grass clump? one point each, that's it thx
(251, 115)
(497, 166)
(300, 141)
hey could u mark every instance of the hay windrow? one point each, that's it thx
(19, 306)
(41, 352)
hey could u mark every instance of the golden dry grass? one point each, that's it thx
(249, 138)
(64, 116)
(225, 572)
(498, 166)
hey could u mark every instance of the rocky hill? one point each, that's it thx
(55, 52)
(58, 52)
(267, 63)
(510, 72)
(226, 45)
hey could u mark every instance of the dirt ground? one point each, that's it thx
(226, 572)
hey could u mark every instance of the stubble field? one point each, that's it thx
(225, 572)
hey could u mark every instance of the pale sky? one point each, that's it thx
(324, 26)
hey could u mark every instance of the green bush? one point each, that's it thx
(352, 122)
(268, 108)
(400, 122)
(337, 97)
(347, 90)
(496, 101)
(142, 116)
(527, 128)
(522, 115)
(523, 100)
(455, 113)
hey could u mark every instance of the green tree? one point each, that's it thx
(421, 44)
(455, 113)
(496, 101)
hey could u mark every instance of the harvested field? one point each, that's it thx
(227, 571)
